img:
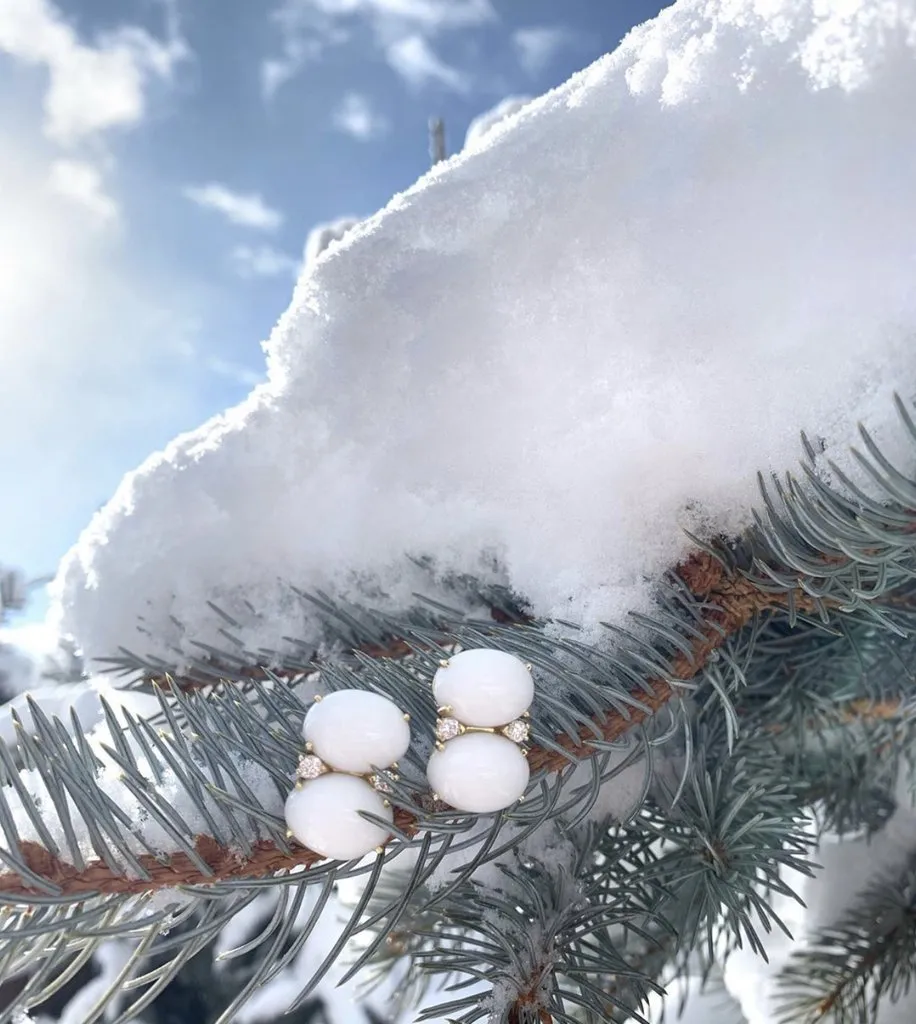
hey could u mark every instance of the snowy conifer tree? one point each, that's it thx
(587, 399)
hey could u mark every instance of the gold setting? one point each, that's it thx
(446, 723)
(378, 780)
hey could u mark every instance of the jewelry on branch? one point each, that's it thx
(483, 697)
(353, 741)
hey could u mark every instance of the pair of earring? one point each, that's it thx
(479, 764)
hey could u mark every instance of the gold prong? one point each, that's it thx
(406, 716)
(393, 766)
(436, 797)
(289, 833)
(379, 850)
(440, 745)
(521, 799)
(526, 714)
(386, 803)
(524, 751)
(317, 698)
(443, 663)
(300, 783)
(446, 709)
(528, 666)
(309, 747)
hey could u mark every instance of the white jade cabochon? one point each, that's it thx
(479, 772)
(484, 687)
(355, 730)
(324, 816)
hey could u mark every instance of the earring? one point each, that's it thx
(483, 697)
(348, 735)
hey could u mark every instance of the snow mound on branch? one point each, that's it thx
(560, 348)
(322, 235)
(484, 123)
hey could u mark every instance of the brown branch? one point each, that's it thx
(733, 602)
(862, 709)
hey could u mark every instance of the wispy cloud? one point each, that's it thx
(536, 46)
(297, 51)
(356, 116)
(418, 64)
(246, 209)
(82, 183)
(428, 15)
(91, 87)
(234, 371)
(308, 27)
(186, 341)
(262, 261)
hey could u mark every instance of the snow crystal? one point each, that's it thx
(559, 348)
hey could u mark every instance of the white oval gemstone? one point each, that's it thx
(323, 814)
(355, 730)
(484, 687)
(478, 772)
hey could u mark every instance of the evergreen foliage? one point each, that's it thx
(772, 684)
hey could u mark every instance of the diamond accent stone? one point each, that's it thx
(310, 767)
(516, 731)
(380, 782)
(447, 728)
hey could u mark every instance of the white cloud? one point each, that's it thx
(276, 71)
(309, 26)
(262, 261)
(537, 45)
(356, 116)
(82, 183)
(86, 404)
(91, 88)
(417, 63)
(246, 209)
(398, 15)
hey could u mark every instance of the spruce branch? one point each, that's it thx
(729, 603)
(844, 973)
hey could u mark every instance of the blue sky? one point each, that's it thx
(161, 165)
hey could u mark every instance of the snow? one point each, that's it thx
(32, 656)
(322, 235)
(700, 1006)
(147, 833)
(18, 670)
(847, 868)
(111, 958)
(483, 124)
(562, 347)
(84, 698)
